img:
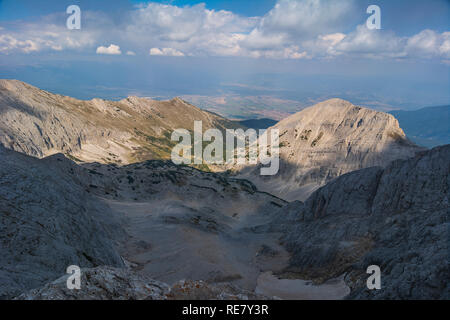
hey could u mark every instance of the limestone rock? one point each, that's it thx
(107, 283)
(39, 123)
(396, 218)
(327, 140)
(101, 283)
(48, 222)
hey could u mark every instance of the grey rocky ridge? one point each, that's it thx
(87, 183)
(396, 218)
(48, 221)
(39, 123)
(108, 283)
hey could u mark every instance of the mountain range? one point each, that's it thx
(39, 123)
(89, 183)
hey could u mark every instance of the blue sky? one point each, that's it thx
(282, 54)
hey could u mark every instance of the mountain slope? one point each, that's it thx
(396, 218)
(39, 123)
(427, 126)
(168, 222)
(327, 140)
(48, 221)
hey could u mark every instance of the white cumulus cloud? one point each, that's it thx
(112, 49)
(166, 52)
(292, 29)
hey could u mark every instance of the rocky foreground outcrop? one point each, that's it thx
(108, 283)
(101, 283)
(48, 221)
(327, 140)
(396, 218)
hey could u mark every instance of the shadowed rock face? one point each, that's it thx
(101, 283)
(327, 140)
(396, 218)
(48, 222)
(39, 123)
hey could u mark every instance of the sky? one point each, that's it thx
(233, 56)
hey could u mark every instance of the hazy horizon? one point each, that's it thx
(233, 56)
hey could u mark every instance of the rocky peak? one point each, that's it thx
(329, 139)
